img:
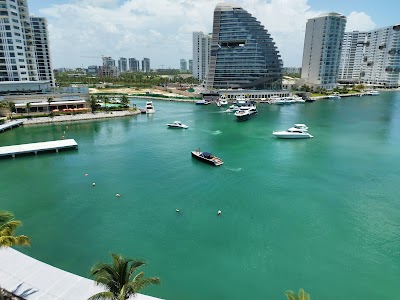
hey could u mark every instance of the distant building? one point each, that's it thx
(291, 70)
(146, 64)
(42, 50)
(183, 65)
(322, 50)
(201, 54)
(133, 65)
(108, 69)
(372, 57)
(191, 65)
(122, 64)
(243, 54)
(93, 70)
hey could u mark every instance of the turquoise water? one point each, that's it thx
(322, 214)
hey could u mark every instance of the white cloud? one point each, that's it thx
(359, 21)
(162, 29)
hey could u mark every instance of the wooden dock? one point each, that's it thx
(10, 125)
(34, 148)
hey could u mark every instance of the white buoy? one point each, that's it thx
(118, 195)
(177, 210)
(86, 175)
(94, 184)
(219, 212)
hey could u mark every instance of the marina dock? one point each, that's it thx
(10, 125)
(34, 148)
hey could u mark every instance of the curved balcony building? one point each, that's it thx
(243, 54)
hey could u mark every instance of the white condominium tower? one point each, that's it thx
(201, 54)
(17, 47)
(42, 49)
(322, 49)
(378, 57)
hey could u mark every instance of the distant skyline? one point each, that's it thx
(162, 29)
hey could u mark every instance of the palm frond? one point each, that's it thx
(9, 241)
(290, 295)
(8, 228)
(102, 296)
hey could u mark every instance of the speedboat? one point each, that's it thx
(298, 131)
(149, 107)
(334, 96)
(372, 93)
(202, 102)
(177, 124)
(246, 113)
(223, 102)
(232, 108)
(207, 157)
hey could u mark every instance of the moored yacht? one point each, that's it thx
(246, 113)
(373, 93)
(149, 107)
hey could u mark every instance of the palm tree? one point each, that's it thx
(302, 295)
(106, 100)
(9, 105)
(7, 227)
(49, 100)
(93, 102)
(28, 107)
(117, 279)
(125, 101)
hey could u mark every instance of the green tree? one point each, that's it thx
(28, 107)
(125, 101)
(9, 105)
(93, 102)
(105, 100)
(301, 295)
(49, 100)
(116, 278)
(8, 225)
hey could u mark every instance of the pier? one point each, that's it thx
(34, 148)
(10, 125)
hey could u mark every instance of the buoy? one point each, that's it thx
(62, 137)
(86, 175)
(219, 212)
(94, 184)
(118, 195)
(177, 210)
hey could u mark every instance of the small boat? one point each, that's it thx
(223, 102)
(334, 96)
(207, 158)
(177, 124)
(247, 113)
(373, 93)
(149, 107)
(202, 102)
(298, 131)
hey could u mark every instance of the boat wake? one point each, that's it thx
(233, 169)
(216, 132)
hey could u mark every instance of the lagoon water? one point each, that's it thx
(322, 213)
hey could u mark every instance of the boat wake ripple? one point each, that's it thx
(216, 132)
(233, 169)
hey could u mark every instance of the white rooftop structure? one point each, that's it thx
(35, 280)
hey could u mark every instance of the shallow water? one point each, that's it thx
(322, 213)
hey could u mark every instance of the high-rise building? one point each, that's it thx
(183, 65)
(372, 57)
(122, 64)
(17, 47)
(108, 69)
(146, 64)
(243, 54)
(201, 54)
(133, 65)
(322, 49)
(190, 65)
(42, 49)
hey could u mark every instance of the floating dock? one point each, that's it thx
(34, 148)
(10, 125)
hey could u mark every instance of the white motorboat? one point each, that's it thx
(298, 131)
(232, 108)
(177, 124)
(334, 96)
(149, 107)
(223, 102)
(202, 102)
(373, 93)
(245, 114)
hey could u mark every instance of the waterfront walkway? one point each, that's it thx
(38, 147)
(10, 125)
(35, 280)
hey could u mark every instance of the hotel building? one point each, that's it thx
(201, 54)
(122, 64)
(372, 58)
(183, 65)
(243, 54)
(322, 50)
(146, 64)
(133, 65)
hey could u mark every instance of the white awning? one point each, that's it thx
(53, 103)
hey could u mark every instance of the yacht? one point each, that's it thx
(222, 100)
(232, 108)
(149, 107)
(207, 158)
(177, 124)
(298, 131)
(202, 102)
(372, 93)
(246, 113)
(334, 96)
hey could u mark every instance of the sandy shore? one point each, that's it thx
(79, 117)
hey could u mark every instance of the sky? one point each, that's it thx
(82, 31)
